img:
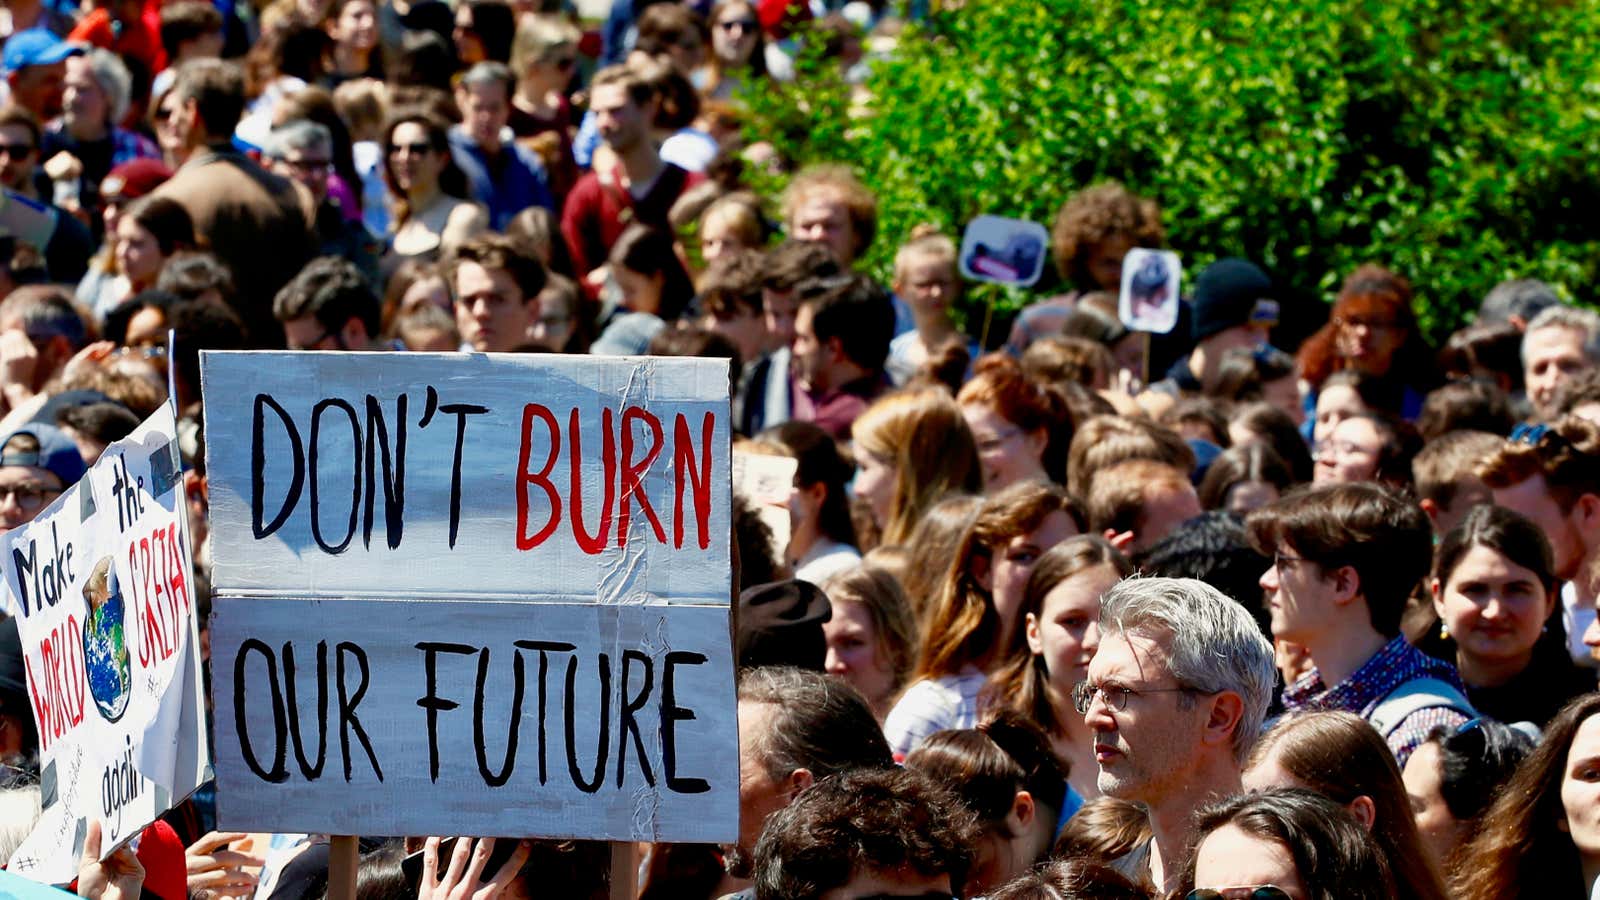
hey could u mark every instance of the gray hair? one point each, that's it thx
(115, 81)
(1584, 321)
(301, 135)
(1213, 644)
(1520, 297)
(490, 72)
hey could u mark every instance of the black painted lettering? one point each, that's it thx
(394, 471)
(347, 709)
(258, 465)
(460, 411)
(311, 772)
(431, 701)
(278, 773)
(544, 649)
(591, 785)
(671, 714)
(628, 724)
(509, 761)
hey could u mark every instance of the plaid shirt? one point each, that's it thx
(1397, 663)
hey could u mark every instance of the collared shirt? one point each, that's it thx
(1394, 665)
(834, 411)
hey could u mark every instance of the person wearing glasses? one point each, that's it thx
(37, 463)
(1346, 558)
(433, 209)
(302, 151)
(1373, 330)
(1176, 694)
(1551, 475)
(738, 51)
(1285, 844)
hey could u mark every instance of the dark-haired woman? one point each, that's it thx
(1494, 592)
(432, 212)
(1297, 841)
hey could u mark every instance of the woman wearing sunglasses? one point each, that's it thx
(738, 51)
(1285, 844)
(427, 189)
(544, 56)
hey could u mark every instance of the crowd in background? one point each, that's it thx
(1286, 603)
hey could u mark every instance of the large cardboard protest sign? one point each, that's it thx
(472, 594)
(100, 584)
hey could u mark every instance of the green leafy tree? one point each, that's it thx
(1456, 141)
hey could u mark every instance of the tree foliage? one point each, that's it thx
(1456, 141)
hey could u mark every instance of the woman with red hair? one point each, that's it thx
(1373, 330)
(1022, 428)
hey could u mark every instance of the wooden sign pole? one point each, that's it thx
(343, 853)
(624, 871)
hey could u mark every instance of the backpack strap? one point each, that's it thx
(1414, 696)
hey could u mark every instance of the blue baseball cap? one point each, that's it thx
(36, 47)
(57, 454)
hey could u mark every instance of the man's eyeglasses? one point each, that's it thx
(1115, 696)
(16, 151)
(29, 496)
(1246, 892)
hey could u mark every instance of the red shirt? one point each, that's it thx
(598, 211)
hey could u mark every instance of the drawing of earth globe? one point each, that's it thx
(107, 665)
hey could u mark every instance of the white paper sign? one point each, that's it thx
(1149, 299)
(479, 717)
(377, 474)
(767, 482)
(1005, 251)
(401, 540)
(100, 584)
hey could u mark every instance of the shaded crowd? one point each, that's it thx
(1285, 603)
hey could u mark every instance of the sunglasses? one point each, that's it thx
(745, 25)
(420, 148)
(16, 151)
(1259, 892)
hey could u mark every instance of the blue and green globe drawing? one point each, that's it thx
(107, 665)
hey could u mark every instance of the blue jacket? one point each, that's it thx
(521, 181)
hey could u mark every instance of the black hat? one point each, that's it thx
(780, 624)
(1231, 292)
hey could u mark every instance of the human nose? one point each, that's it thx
(1091, 638)
(1269, 579)
(833, 664)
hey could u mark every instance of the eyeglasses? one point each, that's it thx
(28, 496)
(310, 166)
(564, 63)
(1283, 559)
(16, 151)
(1246, 892)
(420, 148)
(1115, 696)
(744, 25)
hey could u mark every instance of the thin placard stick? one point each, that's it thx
(343, 853)
(624, 871)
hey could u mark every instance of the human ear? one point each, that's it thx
(798, 780)
(1030, 630)
(1227, 710)
(1364, 811)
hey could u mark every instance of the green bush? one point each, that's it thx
(1456, 141)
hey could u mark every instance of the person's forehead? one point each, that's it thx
(1555, 340)
(1129, 655)
(484, 94)
(10, 475)
(475, 278)
(610, 97)
(15, 134)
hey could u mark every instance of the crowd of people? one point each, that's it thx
(1286, 603)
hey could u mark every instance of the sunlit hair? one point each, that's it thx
(930, 246)
(1566, 454)
(1334, 857)
(1095, 215)
(1522, 848)
(962, 626)
(1212, 645)
(923, 438)
(877, 592)
(998, 384)
(1339, 755)
(836, 180)
(931, 546)
(1022, 683)
(1104, 441)
(1506, 533)
(988, 765)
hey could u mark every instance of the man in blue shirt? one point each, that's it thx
(505, 176)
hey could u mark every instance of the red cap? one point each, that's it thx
(134, 179)
(166, 870)
(779, 17)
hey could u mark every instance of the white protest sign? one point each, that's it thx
(767, 482)
(100, 583)
(1149, 297)
(469, 594)
(1004, 251)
